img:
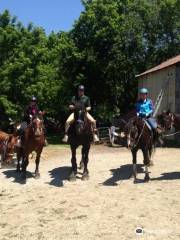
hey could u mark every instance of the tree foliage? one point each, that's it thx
(109, 44)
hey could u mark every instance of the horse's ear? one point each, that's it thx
(168, 112)
(164, 112)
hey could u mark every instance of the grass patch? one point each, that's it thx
(55, 141)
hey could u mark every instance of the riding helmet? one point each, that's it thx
(81, 88)
(143, 90)
(33, 99)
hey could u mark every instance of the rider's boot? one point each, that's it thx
(45, 142)
(95, 136)
(65, 138)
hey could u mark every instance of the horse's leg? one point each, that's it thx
(134, 160)
(146, 163)
(1, 160)
(81, 166)
(37, 174)
(85, 175)
(25, 163)
(19, 155)
(150, 151)
(72, 176)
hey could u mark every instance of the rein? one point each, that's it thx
(140, 135)
(171, 134)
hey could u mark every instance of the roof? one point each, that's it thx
(169, 62)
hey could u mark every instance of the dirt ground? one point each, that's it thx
(107, 206)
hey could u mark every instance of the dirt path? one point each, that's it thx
(108, 206)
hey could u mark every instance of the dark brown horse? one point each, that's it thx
(33, 140)
(140, 137)
(7, 147)
(80, 133)
(168, 120)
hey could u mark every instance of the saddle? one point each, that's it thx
(148, 125)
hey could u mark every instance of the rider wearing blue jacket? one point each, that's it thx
(145, 109)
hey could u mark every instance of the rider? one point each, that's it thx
(145, 109)
(80, 99)
(31, 110)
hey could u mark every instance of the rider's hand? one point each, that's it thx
(142, 115)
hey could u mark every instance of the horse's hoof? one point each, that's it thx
(85, 177)
(135, 180)
(72, 177)
(37, 175)
(147, 178)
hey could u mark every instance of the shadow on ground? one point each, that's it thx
(122, 173)
(58, 175)
(16, 176)
(167, 176)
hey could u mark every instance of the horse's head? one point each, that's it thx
(80, 119)
(37, 124)
(166, 120)
(132, 132)
(9, 148)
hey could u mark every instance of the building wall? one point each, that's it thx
(177, 101)
(155, 82)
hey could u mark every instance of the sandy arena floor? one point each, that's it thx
(107, 206)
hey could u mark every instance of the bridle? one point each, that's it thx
(79, 118)
(136, 138)
(172, 120)
(34, 128)
(172, 117)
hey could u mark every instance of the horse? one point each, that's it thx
(33, 139)
(168, 120)
(80, 133)
(139, 136)
(120, 122)
(7, 146)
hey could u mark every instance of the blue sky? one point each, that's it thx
(52, 15)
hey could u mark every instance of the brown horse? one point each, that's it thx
(168, 120)
(140, 137)
(80, 133)
(33, 140)
(7, 147)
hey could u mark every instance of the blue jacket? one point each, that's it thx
(144, 108)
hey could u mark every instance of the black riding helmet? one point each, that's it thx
(33, 99)
(81, 88)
